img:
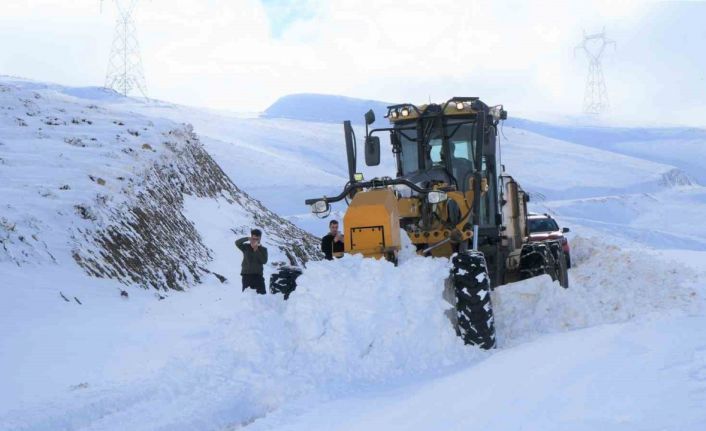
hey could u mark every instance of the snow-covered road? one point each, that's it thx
(350, 354)
(649, 374)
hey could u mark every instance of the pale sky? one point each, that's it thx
(242, 55)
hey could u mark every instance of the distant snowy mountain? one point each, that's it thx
(323, 108)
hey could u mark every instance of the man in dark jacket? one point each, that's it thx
(332, 243)
(254, 257)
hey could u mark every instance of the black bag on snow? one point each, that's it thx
(285, 280)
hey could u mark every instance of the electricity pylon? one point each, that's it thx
(125, 72)
(595, 100)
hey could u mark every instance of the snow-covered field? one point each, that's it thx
(360, 344)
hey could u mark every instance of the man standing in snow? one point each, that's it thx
(333, 241)
(254, 257)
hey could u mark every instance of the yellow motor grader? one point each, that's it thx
(451, 197)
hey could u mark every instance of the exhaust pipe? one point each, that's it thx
(351, 150)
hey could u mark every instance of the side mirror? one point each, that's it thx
(565, 230)
(369, 117)
(372, 150)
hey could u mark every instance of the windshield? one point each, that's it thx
(461, 142)
(542, 225)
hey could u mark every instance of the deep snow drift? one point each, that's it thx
(213, 358)
(360, 344)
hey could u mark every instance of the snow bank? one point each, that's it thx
(214, 358)
(608, 285)
(376, 319)
(228, 356)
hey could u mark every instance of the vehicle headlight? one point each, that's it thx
(319, 207)
(436, 196)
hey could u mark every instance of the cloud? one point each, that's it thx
(283, 13)
(244, 54)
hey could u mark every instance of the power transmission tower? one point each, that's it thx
(595, 98)
(125, 72)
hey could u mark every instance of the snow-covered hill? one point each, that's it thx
(361, 344)
(309, 159)
(682, 147)
(84, 183)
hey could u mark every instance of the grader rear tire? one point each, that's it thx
(546, 257)
(474, 310)
(537, 259)
(560, 263)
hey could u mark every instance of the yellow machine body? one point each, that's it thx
(372, 224)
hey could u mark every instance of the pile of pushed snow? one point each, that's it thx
(105, 189)
(377, 319)
(216, 358)
(226, 358)
(237, 356)
(608, 284)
